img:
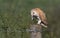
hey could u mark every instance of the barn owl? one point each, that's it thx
(40, 15)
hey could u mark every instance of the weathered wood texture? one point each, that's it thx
(36, 33)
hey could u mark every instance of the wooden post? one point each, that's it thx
(36, 31)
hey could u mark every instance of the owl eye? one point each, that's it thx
(33, 12)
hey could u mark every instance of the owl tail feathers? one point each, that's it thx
(43, 25)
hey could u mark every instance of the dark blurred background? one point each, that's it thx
(15, 15)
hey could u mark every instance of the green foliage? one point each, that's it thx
(15, 14)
